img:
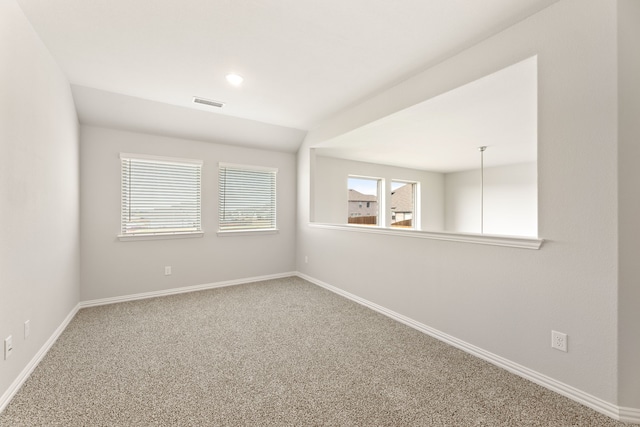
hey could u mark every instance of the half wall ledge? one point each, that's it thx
(481, 239)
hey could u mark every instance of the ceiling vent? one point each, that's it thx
(208, 102)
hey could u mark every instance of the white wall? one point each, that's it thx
(510, 200)
(504, 300)
(39, 244)
(115, 268)
(449, 202)
(464, 290)
(629, 199)
(331, 189)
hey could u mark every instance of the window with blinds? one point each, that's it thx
(160, 195)
(247, 197)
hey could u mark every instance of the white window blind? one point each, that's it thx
(247, 197)
(160, 195)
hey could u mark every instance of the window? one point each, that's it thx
(247, 198)
(403, 204)
(465, 189)
(160, 195)
(363, 192)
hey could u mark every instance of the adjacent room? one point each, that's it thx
(354, 212)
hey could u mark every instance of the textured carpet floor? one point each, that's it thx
(279, 352)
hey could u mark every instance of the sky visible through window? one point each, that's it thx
(364, 185)
(370, 186)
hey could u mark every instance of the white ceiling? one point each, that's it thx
(443, 134)
(302, 60)
(101, 108)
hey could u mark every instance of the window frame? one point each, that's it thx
(381, 212)
(226, 231)
(415, 195)
(125, 198)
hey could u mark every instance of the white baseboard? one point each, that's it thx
(26, 372)
(182, 290)
(629, 415)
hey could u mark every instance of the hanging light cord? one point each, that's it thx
(484, 147)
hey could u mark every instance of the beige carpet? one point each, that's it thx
(280, 352)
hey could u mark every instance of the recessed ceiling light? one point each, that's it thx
(234, 79)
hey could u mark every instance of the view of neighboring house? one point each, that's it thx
(363, 208)
(362, 205)
(402, 206)
(333, 97)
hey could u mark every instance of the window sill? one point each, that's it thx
(159, 236)
(228, 233)
(482, 239)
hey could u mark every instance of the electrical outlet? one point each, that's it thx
(27, 329)
(559, 341)
(167, 270)
(306, 259)
(8, 347)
